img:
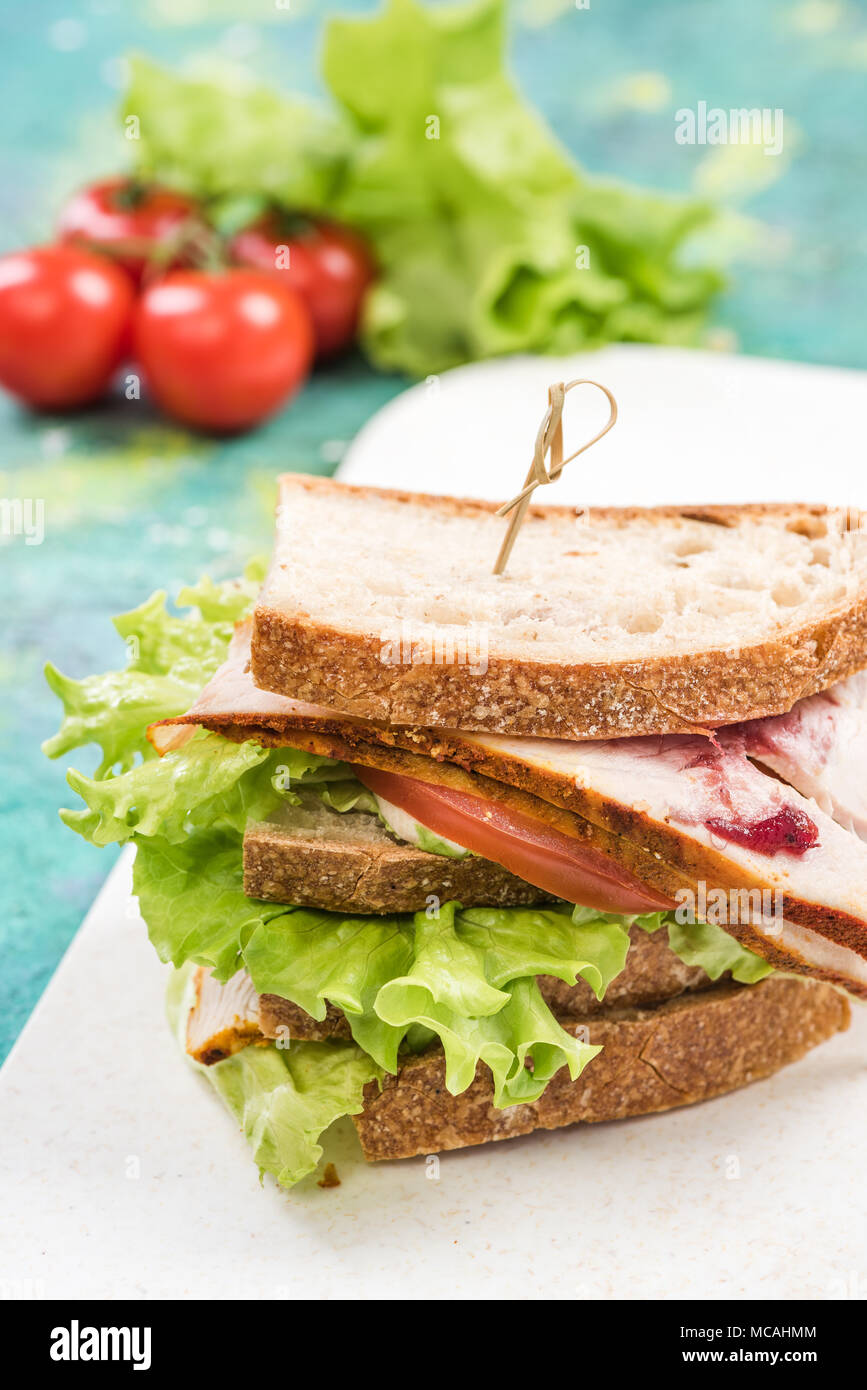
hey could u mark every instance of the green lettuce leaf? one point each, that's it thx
(697, 943)
(209, 782)
(229, 139)
(346, 795)
(191, 896)
(206, 781)
(463, 976)
(474, 210)
(700, 943)
(522, 1029)
(113, 710)
(170, 659)
(283, 1098)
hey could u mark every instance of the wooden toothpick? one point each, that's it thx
(548, 438)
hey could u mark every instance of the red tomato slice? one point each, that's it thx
(529, 848)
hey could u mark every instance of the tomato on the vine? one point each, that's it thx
(64, 324)
(222, 349)
(131, 221)
(330, 266)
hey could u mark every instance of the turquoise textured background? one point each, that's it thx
(133, 504)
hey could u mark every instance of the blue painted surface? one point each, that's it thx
(132, 504)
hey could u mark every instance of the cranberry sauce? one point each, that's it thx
(788, 831)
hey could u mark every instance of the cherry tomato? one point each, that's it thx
(221, 350)
(65, 318)
(128, 219)
(331, 268)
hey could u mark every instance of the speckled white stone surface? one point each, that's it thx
(122, 1176)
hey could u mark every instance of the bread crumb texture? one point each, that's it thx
(599, 585)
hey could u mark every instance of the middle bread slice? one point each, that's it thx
(346, 861)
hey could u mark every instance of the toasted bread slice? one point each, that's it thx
(689, 1049)
(347, 862)
(695, 1044)
(620, 621)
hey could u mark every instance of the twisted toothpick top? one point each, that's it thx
(549, 438)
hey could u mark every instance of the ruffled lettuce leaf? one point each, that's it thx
(234, 141)
(466, 977)
(170, 659)
(209, 782)
(522, 1030)
(390, 973)
(283, 1098)
(165, 795)
(702, 943)
(708, 946)
(192, 898)
(113, 710)
(345, 794)
(476, 230)
(473, 208)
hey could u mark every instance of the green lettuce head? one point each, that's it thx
(488, 237)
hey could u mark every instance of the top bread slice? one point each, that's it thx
(383, 605)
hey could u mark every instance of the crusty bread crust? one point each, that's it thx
(297, 657)
(371, 875)
(652, 973)
(690, 1049)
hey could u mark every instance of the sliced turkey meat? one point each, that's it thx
(819, 747)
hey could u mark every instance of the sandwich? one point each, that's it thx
(464, 855)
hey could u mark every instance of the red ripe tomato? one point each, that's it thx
(329, 266)
(128, 219)
(64, 324)
(223, 349)
(537, 852)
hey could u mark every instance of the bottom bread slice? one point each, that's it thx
(690, 1049)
